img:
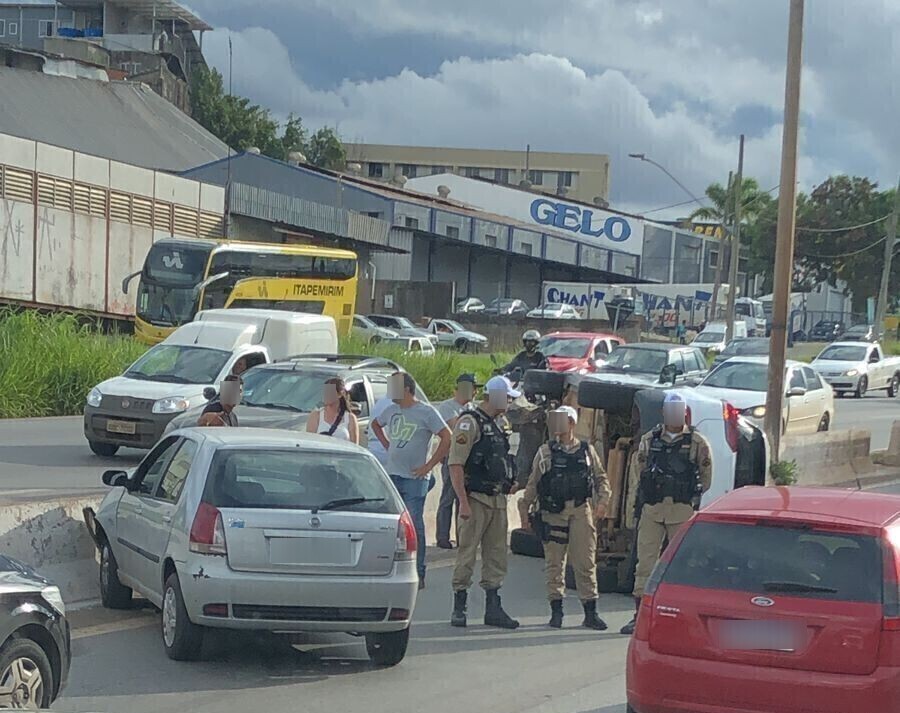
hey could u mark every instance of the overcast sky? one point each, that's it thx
(678, 80)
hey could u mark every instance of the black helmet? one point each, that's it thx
(530, 339)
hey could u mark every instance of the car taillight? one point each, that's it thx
(732, 434)
(406, 538)
(208, 532)
(890, 592)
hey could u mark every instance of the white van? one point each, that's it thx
(713, 337)
(752, 313)
(133, 409)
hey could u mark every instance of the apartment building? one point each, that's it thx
(579, 176)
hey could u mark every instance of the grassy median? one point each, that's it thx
(49, 362)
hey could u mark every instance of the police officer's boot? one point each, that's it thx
(556, 613)
(628, 629)
(458, 617)
(591, 620)
(494, 614)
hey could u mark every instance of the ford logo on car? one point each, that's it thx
(762, 602)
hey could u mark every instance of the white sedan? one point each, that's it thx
(240, 528)
(555, 311)
(743, 382)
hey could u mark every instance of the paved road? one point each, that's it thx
(50, 454)
(120, 665)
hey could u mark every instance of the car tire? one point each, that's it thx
(840, 394)
(387, 649)
(182, 639)
(615, 398)
(25, 675)
(462, 346)
(824, 423)
(105, 450)
(861, 387)
(113, 594)
(525, 543)
(894, 386)
(374, 340)
(544, 383)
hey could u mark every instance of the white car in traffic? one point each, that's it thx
(555, 311)
(858, 367)
(743, 383)
(235, 528)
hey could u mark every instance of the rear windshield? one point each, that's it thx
(843, 353)
(778, 560)
(297, 480)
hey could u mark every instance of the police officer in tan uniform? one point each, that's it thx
(673, 466)
(482, 477)
(570, 485)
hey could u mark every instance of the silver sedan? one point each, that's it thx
(259, 529)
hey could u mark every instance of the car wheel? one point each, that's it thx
(26, 676)
(894, 386)
(106, 450)
(113, 593)
(375, 340)
(861, 387)
(839, 394)
(824, 423)
(182, 638)
(387, 649)
(462, 346)
(544, 383)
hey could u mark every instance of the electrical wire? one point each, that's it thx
(850, 254)
(843, 230)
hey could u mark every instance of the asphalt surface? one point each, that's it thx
(119, 664)
(50, 455)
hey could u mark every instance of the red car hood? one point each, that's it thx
(566, 363)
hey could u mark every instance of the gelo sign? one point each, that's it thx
(580, 220)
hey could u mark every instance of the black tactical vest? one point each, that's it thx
(570, 478)
(488, 468)
(670, 471)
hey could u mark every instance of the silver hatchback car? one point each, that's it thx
(259, 529)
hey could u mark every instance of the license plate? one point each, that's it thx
(759, 636)
(124, 427)
(337, 551)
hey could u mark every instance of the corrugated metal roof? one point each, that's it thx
(121, 121)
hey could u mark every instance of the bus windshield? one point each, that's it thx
(165, 306)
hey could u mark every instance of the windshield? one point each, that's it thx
(280, 388)
(747, 347)
(165, 306)
(454, 325)
(857, 332)
(179, 364)
(643, 361)
(709, 337)
(742, 310)
(297, 480)
(565, 347)
(405, 323)
(843, 353)
(176, 264)
(741, 375)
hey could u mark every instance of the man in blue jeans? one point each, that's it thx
(405, 429)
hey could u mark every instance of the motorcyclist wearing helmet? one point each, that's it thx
(530, 357)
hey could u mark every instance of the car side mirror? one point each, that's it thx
(796, 391)
(668, 374)
(209, 393)
(355, 408)
(115, 478)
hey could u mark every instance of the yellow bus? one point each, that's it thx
(180, 277)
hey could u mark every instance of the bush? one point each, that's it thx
(48, 363)
(784, 472)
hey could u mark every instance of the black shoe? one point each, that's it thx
(445, 544)
(591, 620)
(422, 582)
(556, 614)
(458, 617)
(494, 614)
(628, 629)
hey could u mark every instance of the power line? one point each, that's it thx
(842, 230)
(850, 254)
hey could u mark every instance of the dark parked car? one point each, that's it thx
(743, 346)
(506, 307)
(826, 330)
(861, 333)
(34, 638)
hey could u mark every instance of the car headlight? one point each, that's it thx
(94, 397)
(173, 404)
(852, 372)
(53, 597)
(755, 412)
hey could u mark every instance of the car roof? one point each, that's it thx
(583, 335)
(658, 346)
(843, 343)
(822, 504)
(364, 365)
(749, 359)
(271, 438)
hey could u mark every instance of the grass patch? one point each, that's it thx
(48, 363)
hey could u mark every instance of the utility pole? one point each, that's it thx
(784, 242)
(735, 244)
(881, 305)
(720, 257)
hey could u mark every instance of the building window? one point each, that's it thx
(490, 241)
(376, 170)
(13, 29)
(45, 28)
(713, 257)
(471, 172)
(501, 175)
(564, 179)
(536, 178)
(411, 223)
(452, 232)
(408, 169)
(2, 28)
(373, 213)
(435, 170)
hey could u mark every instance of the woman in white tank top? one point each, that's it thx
(335, 418)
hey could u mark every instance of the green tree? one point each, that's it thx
(242, 124)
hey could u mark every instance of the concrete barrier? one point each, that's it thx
(891, 456)
(836, 458)
(50, 535)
